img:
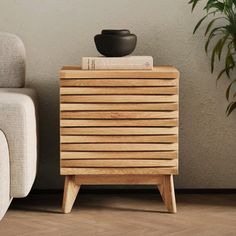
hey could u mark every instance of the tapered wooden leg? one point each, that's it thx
(167, 192)
(71, 190)
(161, 190)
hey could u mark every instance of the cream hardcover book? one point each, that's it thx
(118, 63)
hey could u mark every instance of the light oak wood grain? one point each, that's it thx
(120, 107)
(119, 127)
(119, 147)
(119, 115)
(118, 131)
(164, 72)
(120, 139)
(120, 155)
(119, 171)
(167, 192)
(119, 179)
(92, 82)
(118, 163)
(119, 123)
(71, 190)
(120, 90)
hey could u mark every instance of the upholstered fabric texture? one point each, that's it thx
(18, 122)
(12, 61)
(5, 198)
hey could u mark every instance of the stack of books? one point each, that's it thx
(118, 63)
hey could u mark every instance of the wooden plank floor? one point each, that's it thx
(121, 214)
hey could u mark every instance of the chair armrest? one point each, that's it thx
(12, 61)
(5, 198)
(19, 124)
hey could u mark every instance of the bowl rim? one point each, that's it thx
(114, 36)
(115, 32)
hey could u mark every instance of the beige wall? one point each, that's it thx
(59, 32)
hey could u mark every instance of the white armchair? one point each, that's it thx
(18, 124)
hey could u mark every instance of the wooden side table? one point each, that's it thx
(119, 127)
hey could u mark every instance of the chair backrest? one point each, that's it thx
(12, 61)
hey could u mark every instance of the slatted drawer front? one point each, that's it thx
(122, 123)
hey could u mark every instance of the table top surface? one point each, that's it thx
(156, 72)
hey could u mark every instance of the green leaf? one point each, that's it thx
(234, 2)
(229, 62)
(211, 35)
(221, 73)
(199, 23)
(210, 24)
(194, 3)
(210, 4)
(214, 52)
(218, 5)
(230, 108)
(222, 45)
(229, 3)
(231, 27)
(229, 88)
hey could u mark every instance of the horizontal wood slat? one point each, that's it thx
(119, 90)
(157, 72)
(120, 155)
(121, 123)
(120, 139)
(118, 131)
(119, 115)
(120, 107)
(117, 82)
(119, 179)
(119, 171)
(118, 98)
(119, 163)
(118, 147)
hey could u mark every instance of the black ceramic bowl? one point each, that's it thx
(115, 43)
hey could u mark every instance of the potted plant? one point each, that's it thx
(221, 33)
